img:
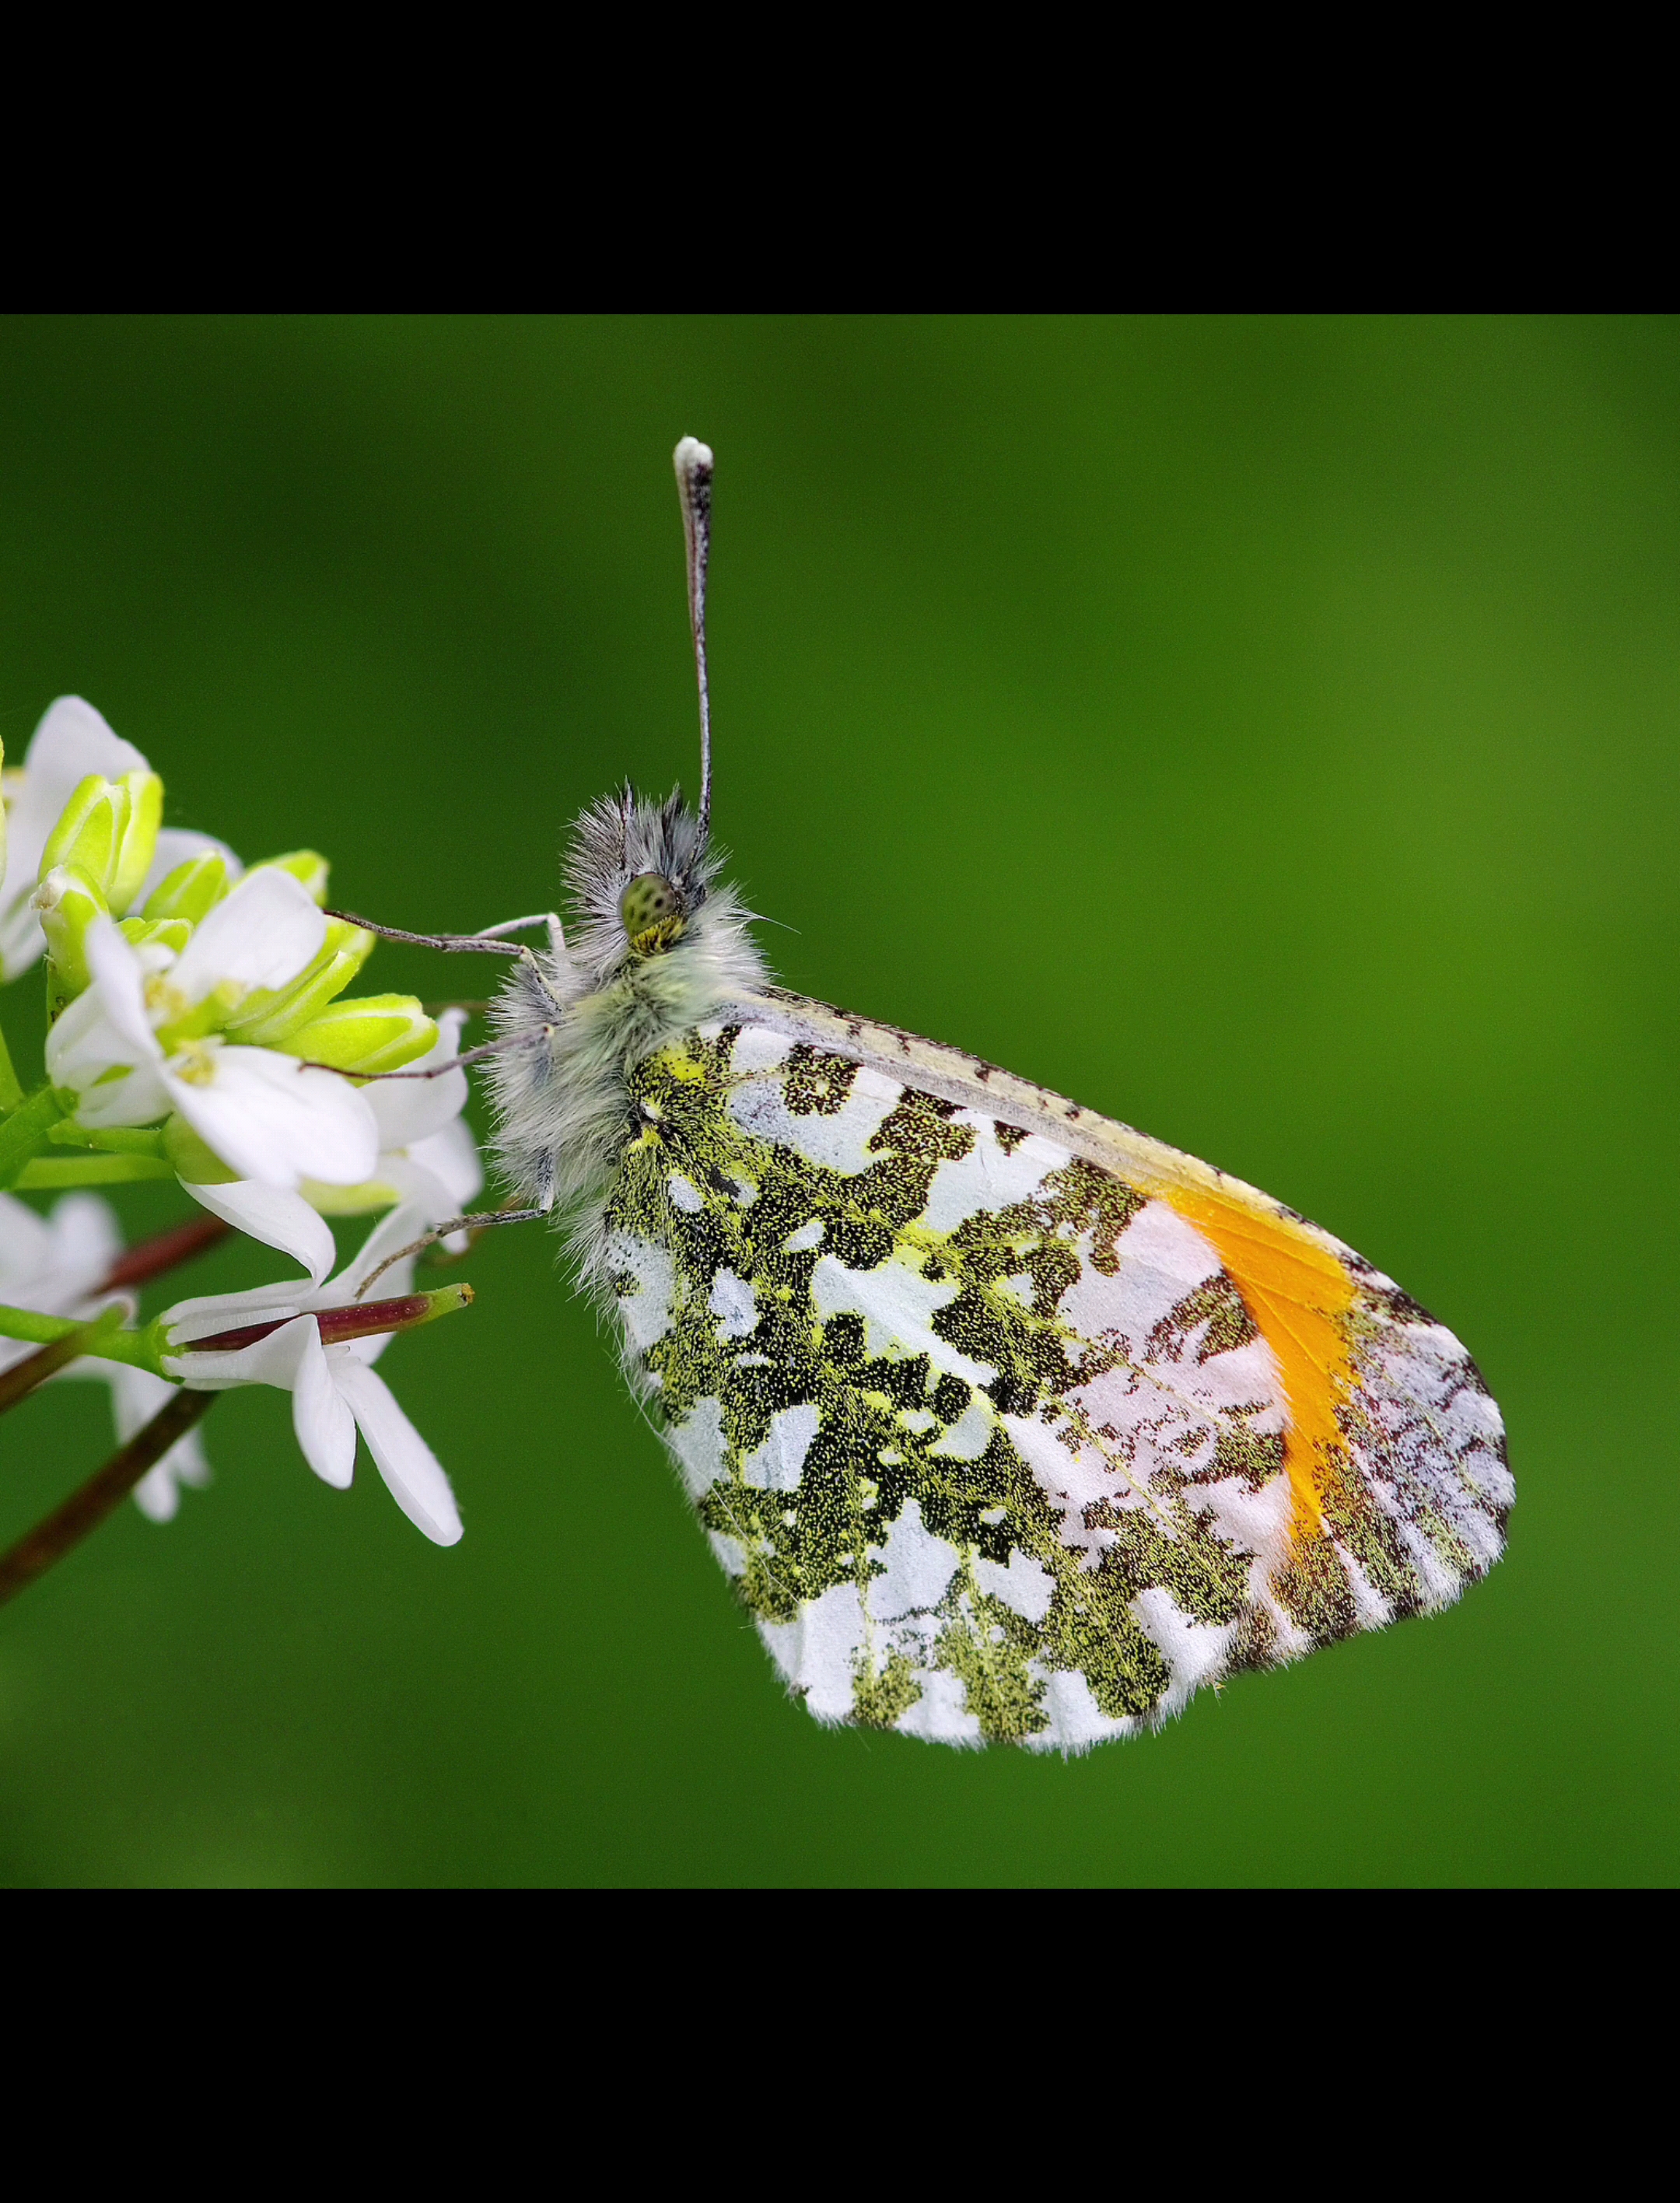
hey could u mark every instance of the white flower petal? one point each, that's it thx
(53, 1264)
(71, 741)
(136, 1398)
(452, 1157)
(21, 941)
(85, 1238)
(271, 1120)
(410, 1109)
(325, 1426)
(137, 1097)
(419, 1187)
(177, 846)
(403, 1459)
(273, 1361)
(409, 1220)
(207, 1313)
(104, 1030)
(277, 1218)
(120, 976)
(157, 1494)
(26, 1247)
(262, 935)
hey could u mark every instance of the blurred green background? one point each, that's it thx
(1264, 731)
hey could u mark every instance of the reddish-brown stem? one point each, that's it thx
(167, 1251)
(360, 1320)
(21, 1378)
(86, 1509)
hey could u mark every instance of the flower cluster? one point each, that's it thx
(201, 1029)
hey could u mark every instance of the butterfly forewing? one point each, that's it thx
(1008, 1424)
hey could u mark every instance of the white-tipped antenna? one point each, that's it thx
(692, 461)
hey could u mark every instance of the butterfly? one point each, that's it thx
(1009, 1424)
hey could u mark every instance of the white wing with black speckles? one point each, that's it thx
(1008, 1423)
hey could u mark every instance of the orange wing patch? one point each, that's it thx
(1297, 1294)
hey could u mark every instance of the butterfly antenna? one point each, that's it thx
(692, 460)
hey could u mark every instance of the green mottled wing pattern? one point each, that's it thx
(987, 1435)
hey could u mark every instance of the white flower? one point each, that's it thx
(420, 1131)
(71, 742)
(427, 1162)
(335, 1389)
(53, 1263)
(127, 1045)
(56, 1264)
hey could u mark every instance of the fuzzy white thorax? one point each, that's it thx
(590, 1010)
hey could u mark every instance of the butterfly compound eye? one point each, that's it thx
(650, 906)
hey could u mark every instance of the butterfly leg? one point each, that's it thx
(484, 1221)
(556, 936)
(451, 943)
(528, 1039)
(488, 942)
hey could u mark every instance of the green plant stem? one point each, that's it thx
(11, 1094)
(86, 1509)
(27, 1131)
(118, 1140)
(133, 1347)
(21, 1378)
(50, 1173)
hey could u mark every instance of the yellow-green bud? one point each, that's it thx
(192, 891)
(107, 831)
(88, 830)
(172, 933)
(308, 866)
(139, 844)
(67, 903)
(365, 1034)
(190, 1158)
(269, 1016)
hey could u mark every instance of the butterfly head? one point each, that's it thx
(650, 911)
(641, 884)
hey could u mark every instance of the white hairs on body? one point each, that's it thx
(586, 1012)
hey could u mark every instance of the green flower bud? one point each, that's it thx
(107, 831)
(88, 831)
(192, 891)
(190, 1158)
(308, 866)
(269, 1015)
(139, 844)
(349, 1200)
(173, 933)
(67, 902)
(365, 1034)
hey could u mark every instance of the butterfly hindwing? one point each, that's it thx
(1001, 1441)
